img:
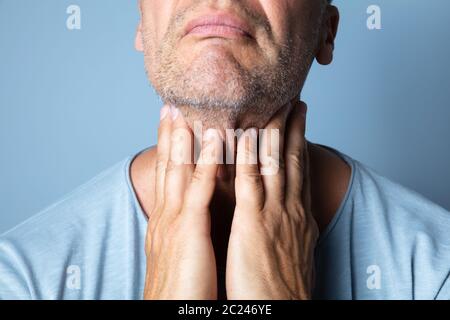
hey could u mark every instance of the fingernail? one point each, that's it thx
(164, 112)
(253, 132)
(210, 134)
(175, 112)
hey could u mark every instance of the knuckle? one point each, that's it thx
(162, 129)
(161, 164)
(295, 159)
(248, 185)
(170, 167)
(202, 176)
(249, 176)
(198, 176)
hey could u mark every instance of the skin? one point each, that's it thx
(189, 71)
(227, 231)
(180, 253)
(271, 246)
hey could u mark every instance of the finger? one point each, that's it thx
(248, 184)
(295, 152)
(306, 186)
(201, 188)
(163, 152)
(271, 156)
(180, 165)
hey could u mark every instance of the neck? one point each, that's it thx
(227, 121)
(329, 179)
(256, 115)
(226, 118)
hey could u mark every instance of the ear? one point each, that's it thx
(329, 30)
(138, 39)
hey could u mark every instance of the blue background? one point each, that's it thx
(72, 103)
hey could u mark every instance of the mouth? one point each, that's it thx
(219, 25)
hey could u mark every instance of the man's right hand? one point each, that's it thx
(180, 254)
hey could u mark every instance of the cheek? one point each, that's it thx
(277, 14)
(289, 17)
(155, 18)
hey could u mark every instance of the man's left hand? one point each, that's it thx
(273, 235)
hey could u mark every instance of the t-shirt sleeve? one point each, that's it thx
(13, 285)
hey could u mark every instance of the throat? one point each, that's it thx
(223, 119)
(222, 211)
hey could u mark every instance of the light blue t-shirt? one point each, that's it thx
(385, 242)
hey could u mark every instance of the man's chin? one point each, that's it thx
(205, 86)
(205, 98)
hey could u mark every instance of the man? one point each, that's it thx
(287, 219)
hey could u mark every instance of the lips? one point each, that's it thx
(219, 25)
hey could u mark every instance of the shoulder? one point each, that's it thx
(142, 174)
(38, 250)
(407, 232)
(401, 206)
(86, 202)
